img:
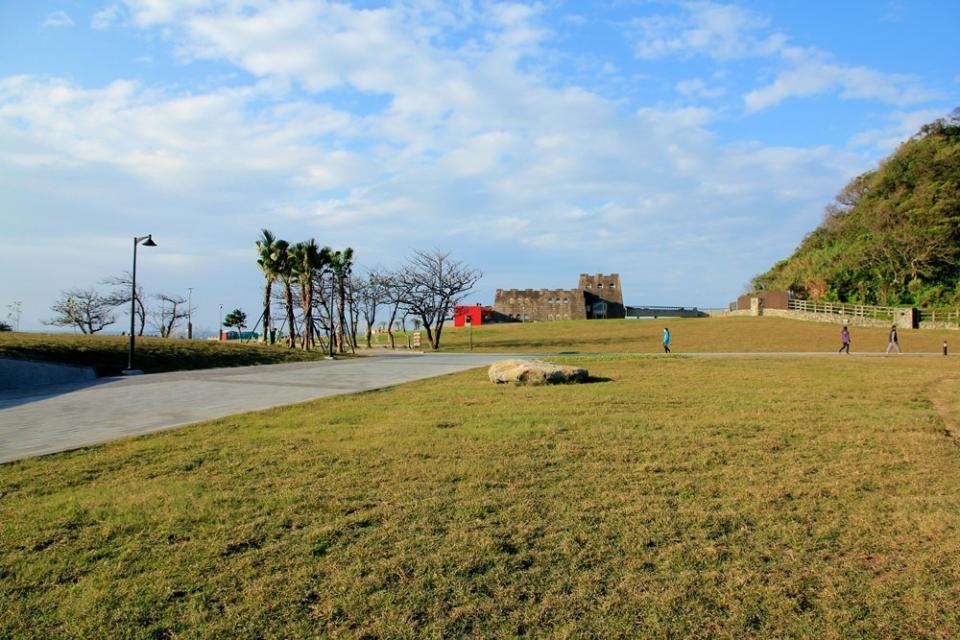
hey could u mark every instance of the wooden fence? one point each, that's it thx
(940, 315)
(946, 316)
(843, 309)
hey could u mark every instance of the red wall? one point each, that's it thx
(460, 313)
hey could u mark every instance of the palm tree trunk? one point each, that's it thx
(342, 296)
(291, 322)
(266, 310)
(306, 301)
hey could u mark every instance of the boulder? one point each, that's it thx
(535, 372)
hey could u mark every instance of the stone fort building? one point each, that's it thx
(596, 296)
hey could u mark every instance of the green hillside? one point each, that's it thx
(891, 236)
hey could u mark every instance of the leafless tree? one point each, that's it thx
(369, 294)
(434, 283)
(172, 311)
(396, 290)
(85, 309)
(120, 297)
(325, 287)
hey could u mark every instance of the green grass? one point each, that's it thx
(681, 498)
(688, 335)
(108, 354)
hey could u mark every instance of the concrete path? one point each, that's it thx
(57, 418)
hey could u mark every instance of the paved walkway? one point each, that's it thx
(49, 419)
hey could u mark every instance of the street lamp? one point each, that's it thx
(189, 313)
(147, 241)
(220, 328)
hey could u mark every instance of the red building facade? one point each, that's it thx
(478, 315)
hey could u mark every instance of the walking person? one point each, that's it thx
(894, 340)
(844, 341)
(666, 340)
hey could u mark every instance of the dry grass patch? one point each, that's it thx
(681, 498)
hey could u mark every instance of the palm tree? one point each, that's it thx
(341, 263)
(267, 260)
(306, 258)
(284, 269)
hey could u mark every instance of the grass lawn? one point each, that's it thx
(108, 354)
(688, 334)
(681, 497)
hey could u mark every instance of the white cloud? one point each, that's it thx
(676, 119)
(56, 20)
(105, 17)
(811, 72)
(729, 32)
(166, 139)
(901, 125)
(705, 28)
(697, 88)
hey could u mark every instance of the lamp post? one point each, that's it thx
(189, 313)
(147, 241)
(220, 326)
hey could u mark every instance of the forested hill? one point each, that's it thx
(891, 237)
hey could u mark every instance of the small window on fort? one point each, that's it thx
(612, 286)
(565, 301)
(599, 285)
(589, 286)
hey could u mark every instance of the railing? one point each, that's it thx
(940, 315)
(843, 309)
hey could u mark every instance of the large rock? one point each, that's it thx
(535, 372)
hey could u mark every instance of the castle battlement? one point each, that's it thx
(596, 296)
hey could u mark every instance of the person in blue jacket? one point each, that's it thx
(666, 340)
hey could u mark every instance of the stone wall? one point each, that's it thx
(603, 288)
(939, 325)
(545, 305)
(768, 300)
(540, 305)
(725, 313)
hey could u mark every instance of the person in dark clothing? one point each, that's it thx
(894, 340)
(844, 341)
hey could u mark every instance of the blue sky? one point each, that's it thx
(685, 145)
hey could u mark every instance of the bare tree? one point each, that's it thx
(120, 297)
(352, 289)
(370, 293)
(85, 309)
(324, 288)
(172, 311)
(396, 290)
(435, 282)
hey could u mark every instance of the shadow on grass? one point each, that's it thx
(596, 379)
